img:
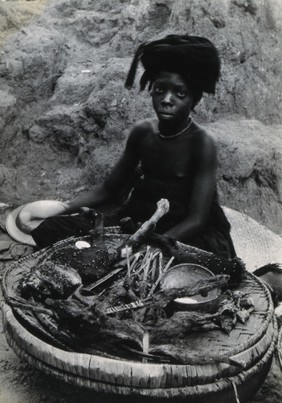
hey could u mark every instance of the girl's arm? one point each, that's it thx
(116, 182)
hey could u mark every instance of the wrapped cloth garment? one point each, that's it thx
(54, 229)
(214, 238)
(193, 57)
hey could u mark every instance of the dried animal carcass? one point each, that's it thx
(50, 279)
(91, 263)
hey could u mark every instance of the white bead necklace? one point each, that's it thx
(178, 133)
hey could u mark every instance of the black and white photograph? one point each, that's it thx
(141, 201)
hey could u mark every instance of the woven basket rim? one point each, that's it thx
(108, 387)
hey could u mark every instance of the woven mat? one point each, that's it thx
(279, 348)
(255, 244)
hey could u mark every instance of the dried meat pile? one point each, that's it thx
(119, 307)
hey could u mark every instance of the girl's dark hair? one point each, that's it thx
(193, 57)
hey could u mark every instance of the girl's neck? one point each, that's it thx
(169, 129)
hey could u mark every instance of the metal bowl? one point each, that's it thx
(187, 274)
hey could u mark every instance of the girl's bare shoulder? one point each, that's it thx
(141, 131)
(203, 137)
(145, 126)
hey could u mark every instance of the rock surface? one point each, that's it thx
(64, 113)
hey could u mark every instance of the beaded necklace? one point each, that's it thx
(178, 133)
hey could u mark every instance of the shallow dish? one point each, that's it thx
(187, 274)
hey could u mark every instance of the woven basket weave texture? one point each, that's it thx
(252, 343)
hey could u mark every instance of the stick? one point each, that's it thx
(127, 261)
(145, 345)
(162, 273)
(17, 302)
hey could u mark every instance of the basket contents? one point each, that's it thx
(125, 308)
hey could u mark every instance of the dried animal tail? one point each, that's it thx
(233, 267)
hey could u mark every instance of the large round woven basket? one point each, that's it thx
(208, 378)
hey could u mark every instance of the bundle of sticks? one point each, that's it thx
(146, 271)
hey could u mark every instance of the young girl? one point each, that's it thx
(176, 156)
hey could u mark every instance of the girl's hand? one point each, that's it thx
(65, 206)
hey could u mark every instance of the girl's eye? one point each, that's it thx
(181, 94)
(158, 90)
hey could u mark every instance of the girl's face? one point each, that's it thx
(172, 99)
